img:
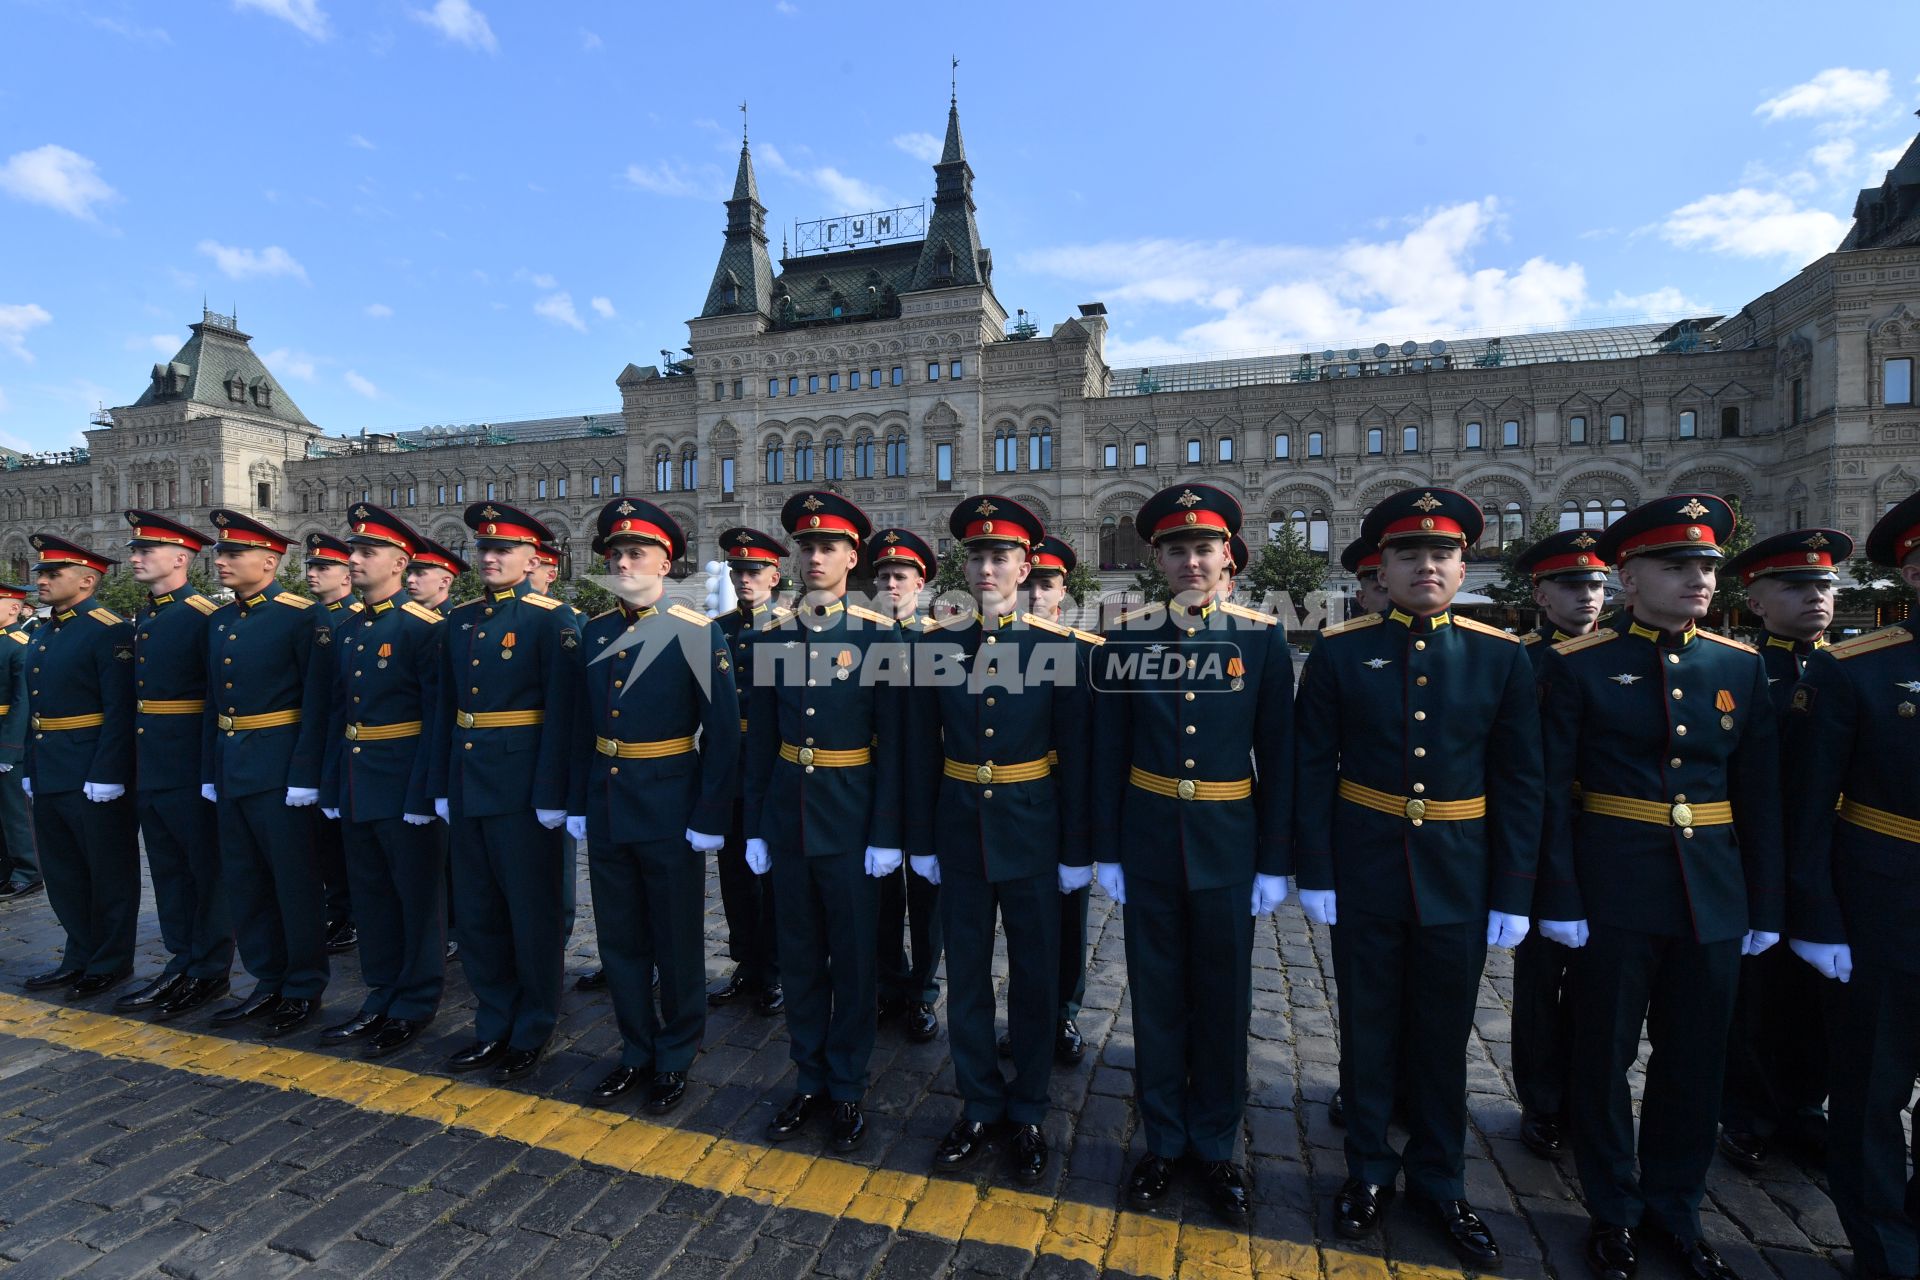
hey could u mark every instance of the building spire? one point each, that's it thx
(743, 281)
(952, 253)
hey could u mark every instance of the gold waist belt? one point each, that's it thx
(1413, 808)
(498, 719)
(811, 756)
(383, 732)
(743, 726)
(1030, 771)
(265, 720)
(643, 750)
(1879, 820)
(93, 721)
(170, 707)
(1188, 789)
(1707, 813)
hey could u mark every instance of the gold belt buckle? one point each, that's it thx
(1683, 815)
(353, 732)
(1416, 809)
(1186, 789)
(226, 722)
(36, 721)
(464, 719)
(806, 755)
(983, 774)
(606, 746)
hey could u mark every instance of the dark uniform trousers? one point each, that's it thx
(747, 900)
(968, 906)
(910, 909)
(1630, 713)
(22, 864)
(82, 665)
(829, 907)
(183, 853)
(1073, 951)
(329, 835)
(1542, 1024)
(1851, 729)
(19, 861)
(662, 886)
(507, 874)
(273, 885)
(398, 878)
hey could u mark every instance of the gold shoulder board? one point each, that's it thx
(1088, 636)
(686, 614)
(1885, 638)
(421, 611)
(950, 620)
(860, 611)
(355, 607)
(1728, 641)
(1355, 624)
(541, 602)
(297, 602)
(1532, 637)
(201, 604)
(780, 617)
(1035, 620)
(1587, 641)
(1139, 613)
(105, 616)
(1250, 615)
(1485, 630)
(21, 636)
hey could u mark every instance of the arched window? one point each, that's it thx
(1006, 448)
(1121, 546)
(1226, 448)
(776, 465)
(834, 457)
(863, 456)
(1282, 445)
(1193, 452)
(1474, 431)
(1510, 432)
(803, 460)
(1376, 440)
(1310, 526)
(896, 453)
(689, 468)
(662, 470)
(1316, 444)
(1577, 429)
(1040, 447)
(1616, 428)
(1689, 424)
(1410, 439)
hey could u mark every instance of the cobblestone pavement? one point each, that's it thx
(130, 1150)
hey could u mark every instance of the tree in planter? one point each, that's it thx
(1730, 596)
(1285, 566)
(1877, 589)
(1515, 587)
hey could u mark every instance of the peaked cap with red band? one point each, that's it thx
(1188, 508)
(637, 520)
(10, 592)
(901, 546)
(430, 553)
(992, 517)
(1686, 525)
(1897, 535)
(52, 552)
(1570, 555)
(244, 533)
(153, 530)
(1361, 558)
(744, 546)
(379, 526)
(548, 554)
(1052, 555)
(497, 524)
(1237, 553)
(324, 548)
(1423, 515)
(816, 512)
(1804, 555)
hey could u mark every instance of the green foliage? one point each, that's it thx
(1285, 566)
(588, 596)
(1151, 587)
(464, 588)
(1515, 587)
(1730, 597)
(1083, 582)
(952, 574)
(119, 592)
(1878, 589)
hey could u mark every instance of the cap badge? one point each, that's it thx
(221, 520)
(813, 522)
(1816, 542)
(1188, 498)
(38, 541)
(1585, 540)
(1694, 509)
(1426, 522)
(1813, 557)
(1694, 533)
(743, 538)
(891, 537)
(985, 508)
(1585, 560)
(1428, 502)
(986, 526)
(488, 513)
(359, 513)
(626, 508)
(813, 503)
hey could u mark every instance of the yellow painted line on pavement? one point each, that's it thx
(788, 1179)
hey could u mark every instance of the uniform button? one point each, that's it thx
(992, 640)
(1188, 765)
(613, 768)
(1420, 644)
(989, 701)
(989, 733)
(1420, 680)
(1192, 729)
(1419, 715)
(226, 662)
(1687, 832)
(809, 768)
(138, 732)
(356, 675)
(1678, 694)
(143, 659)
(1419, 788)
(474, 689)
(1679, 799)
(489, 611)
(479, 635)
(809, 710)
(614, 714)
(1674, 658)
(476, 662)
(812, 683)
(140, 684)
(618, 683)
(1189, 695)
(466, 746)
(36, 671)
(1680, 729)
(809, 742)
(359, 648)
(1674, 763)
(229, 686)
(813, 653)
(987, 794)
(1420, 753)
(1193, 631)
(356, 751)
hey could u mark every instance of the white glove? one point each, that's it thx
(757, 859)
(440, 809)
(1568, 933)
(1832, 959)
(331, 815)
(1504, 930)
(882, 862)
(208, 794)
(413, 819)
(1268, 893)
(926, 866)
(26, 785)
(702, 843)
(1074, 879)
(301, 797)
(551, 819)
(101, 792)
(6, 768)
(577, 825)
(1113, 880)
(1757, 941)
(1319, 906)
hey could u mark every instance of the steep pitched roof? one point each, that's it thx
(217, 368)
(1888, 216)
(951, 254)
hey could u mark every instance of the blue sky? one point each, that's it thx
(432, 211)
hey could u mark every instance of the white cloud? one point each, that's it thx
(670, 179)
(1837, 91)
(460, 23)
(1244, 296)
(16, 319)
(160, 343)
(604, 306)
(849, 194)
(58, 178)
(360, 141)
(306, 16)
(379, 310)
(1754, 224)
(538, 279)
(921, 146)
(247, 264)
(362, 386)
(1881, 161)
(558, 307)
(288, 363)
(589, 41)
(1664, 301)
(1835, 157)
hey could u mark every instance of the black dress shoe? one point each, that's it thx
(849, 1126)
(342, 937)
(1699, 1259)
(922, 1025)
(967, 1139)
(892, 1007)
(771, 1001)
(52, 978)
(1227, 1192)
(396, 1034)
(664, 1094)
(1069, 1046)
(1357, 1208)
(615, 1083)
(359, 1025)
(1744, 1150)
(592, 980)
(14, 889)
(1337, 1110)
(481, 1053)
(514, 1064)
(93, 984)
(1027, 1154)
(254, 1006)
(1542, 1134)
(1466, 1233)
(191, 994)
(726, 991)
(151, 996)
(291, 1014)
(453, 950)
(1147, 1186)
(793, 1117)
(1611, 1252)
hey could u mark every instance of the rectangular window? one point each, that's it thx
(1576, 430)
(1376, 440)
(1193, 453)
(1040, 451)
(440, 496)
(1689, 424)
(873, 379)
(1283, 446)
(1409, 439)
(561, 488)
(616, 482)
(460, 492)
(793, 386)
(1139, 453)
(410, 495)
(739, 388)
(1112, 456)
(813, 383)
(1897, 384)
(393, 495)
(594, 486)
(263, 495)
(1730, 421)
(726, 478)
(689, 472)
(1616, 427)
(540, 487)
(943, 464)
(1510, 432)
(933, 371)
(1473, 435)
(492, 491)
(899, 375)
(719, 391)
(773, 387)
(1316, 444)
(954, 371)
(1226, 448)
(833, 382)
